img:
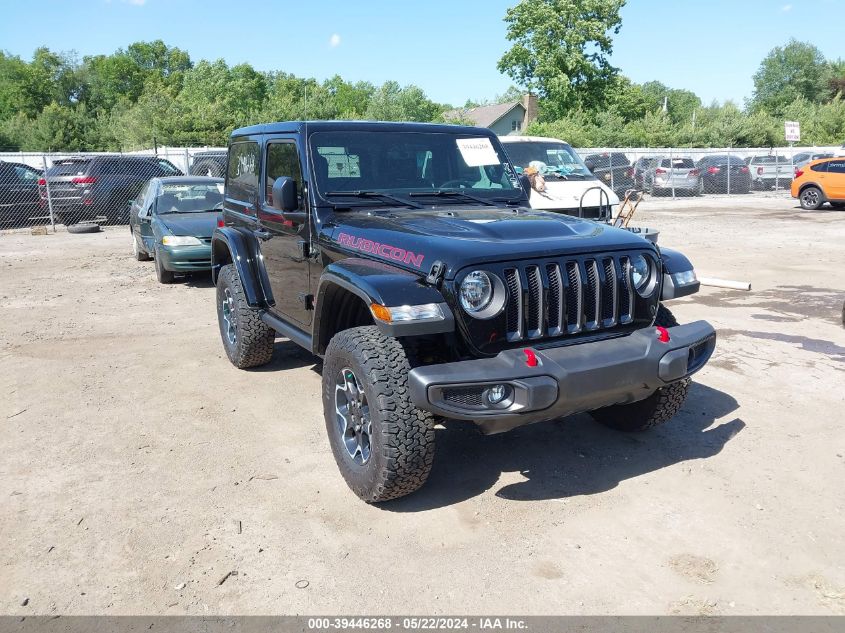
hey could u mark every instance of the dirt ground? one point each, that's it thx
(140, 468)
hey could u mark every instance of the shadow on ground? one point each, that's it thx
(569, 457)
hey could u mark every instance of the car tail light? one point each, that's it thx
(659, 171)
(713, 170)
(694, 172)
(759, 171)
(743, 170)
(799, 173)
(42, 182)
(84, 180)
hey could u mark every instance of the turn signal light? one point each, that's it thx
(662, 334)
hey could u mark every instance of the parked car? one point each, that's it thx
(821, 181)
(613, 169)
(19, 203)
(569, 186)
(678, 173)
(802, 158)
(638, 170)
(719, 171)
(769, 172)
(172, 221)
(210, 163)
(167, 167)
(96, 187)
(413, 267)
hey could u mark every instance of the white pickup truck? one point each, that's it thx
(770, 172)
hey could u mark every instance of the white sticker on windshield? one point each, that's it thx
(219, 187)
(477, 152)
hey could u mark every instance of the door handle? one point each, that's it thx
(262, 235)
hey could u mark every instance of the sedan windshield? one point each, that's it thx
(189, 198)
(549, 158)
(357, 168)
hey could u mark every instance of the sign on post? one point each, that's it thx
(793, 131)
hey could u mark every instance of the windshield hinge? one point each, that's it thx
(438, 269)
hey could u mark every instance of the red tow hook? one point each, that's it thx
(662, 334)
(530, 358)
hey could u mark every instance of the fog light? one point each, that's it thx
(497, 393)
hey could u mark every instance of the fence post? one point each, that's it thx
(187, 162)
(610, 165)
(729, 169)
(49, 197)
(672, 171)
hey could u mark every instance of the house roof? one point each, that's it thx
(485, 116)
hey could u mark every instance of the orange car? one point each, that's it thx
(820, 181)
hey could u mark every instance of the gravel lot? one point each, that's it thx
(140, 468)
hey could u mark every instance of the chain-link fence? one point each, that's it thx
(693, 172)
(66, 188)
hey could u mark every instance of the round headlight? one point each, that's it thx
(640, 273)
(476, 291)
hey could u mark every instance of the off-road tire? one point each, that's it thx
(811, 198)
(163, 275)
(659, 407)
(141, 256)
(402, 436)
(253, 344)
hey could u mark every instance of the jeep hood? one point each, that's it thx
(459, 237)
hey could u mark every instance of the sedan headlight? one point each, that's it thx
(180, 240)
(476, 291)
(642, 274)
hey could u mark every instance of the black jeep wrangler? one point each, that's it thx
(405, 255)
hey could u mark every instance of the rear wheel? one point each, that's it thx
(248, 341)
(659, 407)
(382, 443)
(811, 198)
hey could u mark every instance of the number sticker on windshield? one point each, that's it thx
(477, 152)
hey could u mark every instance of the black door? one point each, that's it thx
(285, 244)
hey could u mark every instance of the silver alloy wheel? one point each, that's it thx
(353, 417)
(230, 319)
(810, 197)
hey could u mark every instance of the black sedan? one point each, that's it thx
(19, 201)
(172, 221)
(721, 170)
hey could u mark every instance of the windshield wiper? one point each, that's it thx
(372, 194)
(451, 193)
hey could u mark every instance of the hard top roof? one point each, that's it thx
(363, 126)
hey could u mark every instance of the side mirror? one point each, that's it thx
(590, 165)
(284, 194)
(525, 183)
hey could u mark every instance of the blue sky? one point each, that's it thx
(447, 47)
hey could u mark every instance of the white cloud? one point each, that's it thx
(334, 40)
(786, 7)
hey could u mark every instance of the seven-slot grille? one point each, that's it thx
(568, 297)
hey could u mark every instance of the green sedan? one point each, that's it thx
(172, 221)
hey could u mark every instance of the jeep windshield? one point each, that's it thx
(358, 168)
(552, 160)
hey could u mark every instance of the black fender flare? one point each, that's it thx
(676, 262)
(383, 284)
(230, 245)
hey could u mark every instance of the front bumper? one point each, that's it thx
(185, 258)
(566, 380)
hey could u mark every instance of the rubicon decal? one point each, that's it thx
(384, 250)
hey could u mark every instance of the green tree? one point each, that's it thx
(788, 73)
(560, 50)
